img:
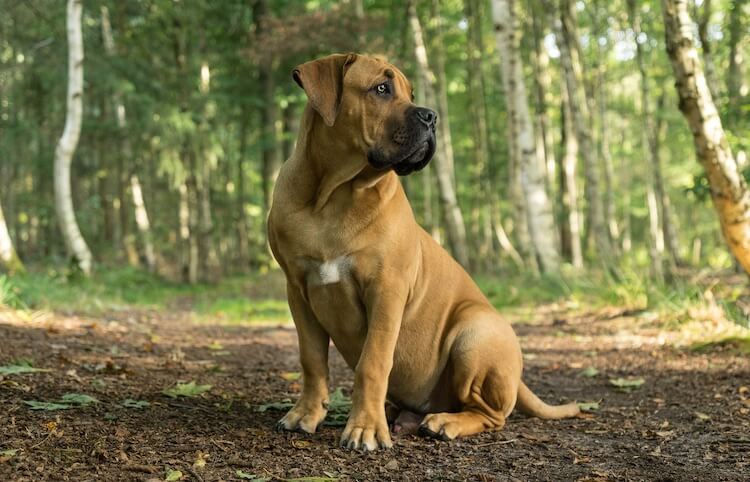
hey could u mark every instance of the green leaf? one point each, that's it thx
(173, 475)
(252, 477)
(130, 403)
(186, 390)
(8, 454)
(311, 479)
(627, 384)
(19, 367)
(589, 372)
(49, 406)
(283, 405)
(291, 376)
(79, 399)
(588, 406)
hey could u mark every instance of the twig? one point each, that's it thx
(195, 474)
(498, 442)
(149, 469)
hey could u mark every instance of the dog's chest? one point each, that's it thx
(326, 272)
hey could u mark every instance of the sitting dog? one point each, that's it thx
(360, 271)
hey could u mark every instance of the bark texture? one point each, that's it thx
(728, 189)
(443, 160)
(566, 37)
(532, 172)
(66, 146)
(9, 260)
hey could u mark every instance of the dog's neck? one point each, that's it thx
(329, 175)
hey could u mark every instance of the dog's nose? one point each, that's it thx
(427, 116)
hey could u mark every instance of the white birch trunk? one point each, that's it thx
(728, 188)
(443, 156)
(8, 258)
(66, 146)
(538, 206)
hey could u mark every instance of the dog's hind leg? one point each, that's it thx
(486, 369)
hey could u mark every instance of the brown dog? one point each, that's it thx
(360, 270)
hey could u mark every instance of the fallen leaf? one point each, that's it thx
(301, 444)
(19, 367)
(627, 384)
(665, 433)
(200, 459)
(291, 376)
(589, 372)
(215, 345)
(188, 390)
(173, 475)
(252, 477)
(79, 399)
(49, 406)
(702, 416)
(6, 455)
(130, 403)
(588, 406)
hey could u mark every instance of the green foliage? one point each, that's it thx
(9, 292)
(19, 367)
(186, 390)
(69, 400)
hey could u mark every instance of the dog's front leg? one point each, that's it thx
(367, 427)
(312, 406)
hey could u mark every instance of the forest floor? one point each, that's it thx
(661, 407)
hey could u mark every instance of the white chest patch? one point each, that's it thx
(321, 273)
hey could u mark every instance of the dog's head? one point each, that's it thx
(366, 103)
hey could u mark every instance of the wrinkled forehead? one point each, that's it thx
(367, 72)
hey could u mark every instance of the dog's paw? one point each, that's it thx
(366, 436)
(301, 420)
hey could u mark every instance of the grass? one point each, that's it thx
(261, 297)
(233, 300)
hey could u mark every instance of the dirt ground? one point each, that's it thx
(689, 420)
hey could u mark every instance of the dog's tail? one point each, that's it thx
(532, 405)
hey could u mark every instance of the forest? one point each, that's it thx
(590, 173)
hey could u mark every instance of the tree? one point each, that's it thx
(566, 37)
(141, 213)
(8, 257)
(66, 146)
(443, 160)
(728, 189)
(533, 173)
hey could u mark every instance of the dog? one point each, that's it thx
(361, 272)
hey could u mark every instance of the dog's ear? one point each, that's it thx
(323, 82)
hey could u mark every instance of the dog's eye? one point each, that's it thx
(383, 89)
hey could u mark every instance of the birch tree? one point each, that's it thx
(443, 160)
(66, 146)
(566, 37)
(9, 260)
(538, 207)
(729, 191)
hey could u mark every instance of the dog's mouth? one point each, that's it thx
(417, 160)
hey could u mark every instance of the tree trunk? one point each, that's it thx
(479, 168)
(66, 146)
(241, 216)
(538, 207)
(566, 37)
(8, 258)
(542, 83)
(728, 189)
(651, 153)
(708, 56)
(571, 216)
(141, 213)
(444, 154)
